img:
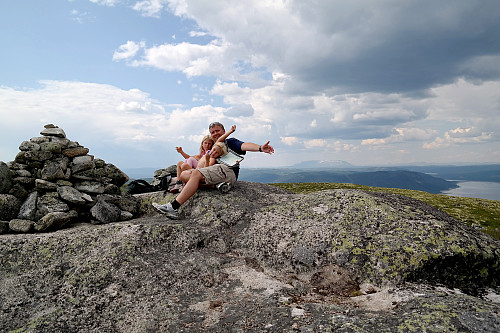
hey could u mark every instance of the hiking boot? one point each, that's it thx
(168, 210)
(223, 187)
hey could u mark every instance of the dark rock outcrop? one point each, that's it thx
(258, 259)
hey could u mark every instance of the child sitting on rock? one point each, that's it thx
(192, 162)
(219, 149)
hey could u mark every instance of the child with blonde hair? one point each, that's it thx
(219, 149)
(191, 162)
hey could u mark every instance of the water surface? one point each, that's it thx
(482, 190)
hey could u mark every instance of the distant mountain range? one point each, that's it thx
(428, 178)
(403, 179)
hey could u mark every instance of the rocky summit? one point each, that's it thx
(53, 181)
(258, 259)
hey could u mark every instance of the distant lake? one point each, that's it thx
(482, 190)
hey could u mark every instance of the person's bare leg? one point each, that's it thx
(179, 170)
(185, 175)
(185, 166)
(191, 186)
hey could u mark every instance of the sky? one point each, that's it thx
(381, 82)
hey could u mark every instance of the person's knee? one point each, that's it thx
(185, 175)
(180, 163)
(197, 175)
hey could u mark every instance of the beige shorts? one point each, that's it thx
(218, 173)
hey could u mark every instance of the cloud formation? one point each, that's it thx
(417, 80)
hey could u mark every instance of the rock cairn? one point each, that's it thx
(54, 181)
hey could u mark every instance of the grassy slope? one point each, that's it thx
(482, 212)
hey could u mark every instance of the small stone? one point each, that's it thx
(25, 181)
(23, 173)
(62, 182)
(19, 225)
(29, 146)
(50, 203)
(90, 187)
(105, 212)
(28, 208)
(125, 216)
(118, 177)
(4, 227)
(39, 156)
(45, 185)
(83, 159)
(82, 167)
(20, 157)
(53, 147)
(73, 152)
(40, 139)
(54, 220)
(63, 142)
(58, 132)
(70, 194)
(99, 163)
(53, 171)
(5, 178)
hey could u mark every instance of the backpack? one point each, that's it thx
(139, 186)
(164, 184)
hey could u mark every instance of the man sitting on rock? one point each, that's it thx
(221, 175)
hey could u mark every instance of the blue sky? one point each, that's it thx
(367, 82)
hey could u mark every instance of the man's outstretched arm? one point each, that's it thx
(250, 146)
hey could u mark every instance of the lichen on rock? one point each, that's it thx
(256, 259)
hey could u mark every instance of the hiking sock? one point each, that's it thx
(175, 204)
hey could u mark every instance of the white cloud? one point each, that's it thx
(109, 3)
(127, 50)
(197, 34)
(290, 140)
(403, 135)
(459, 136)
(94, 112)
(315, 143)
(150, 8)
(191, 59)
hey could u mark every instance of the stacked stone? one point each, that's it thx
(54, 181)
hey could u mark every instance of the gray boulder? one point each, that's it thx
(53, 147)
(76, 151)
(9, 206)
(90, 187)
(5, 178)
(28, 209)
(105, 212)
(54, 170)
(71, 194)
(27, 145)
(55, 220)
(49, 203)
(4, 227)
(20, 225)
(39, 156)
(45, 185)
(53, 131)
(117, 176)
